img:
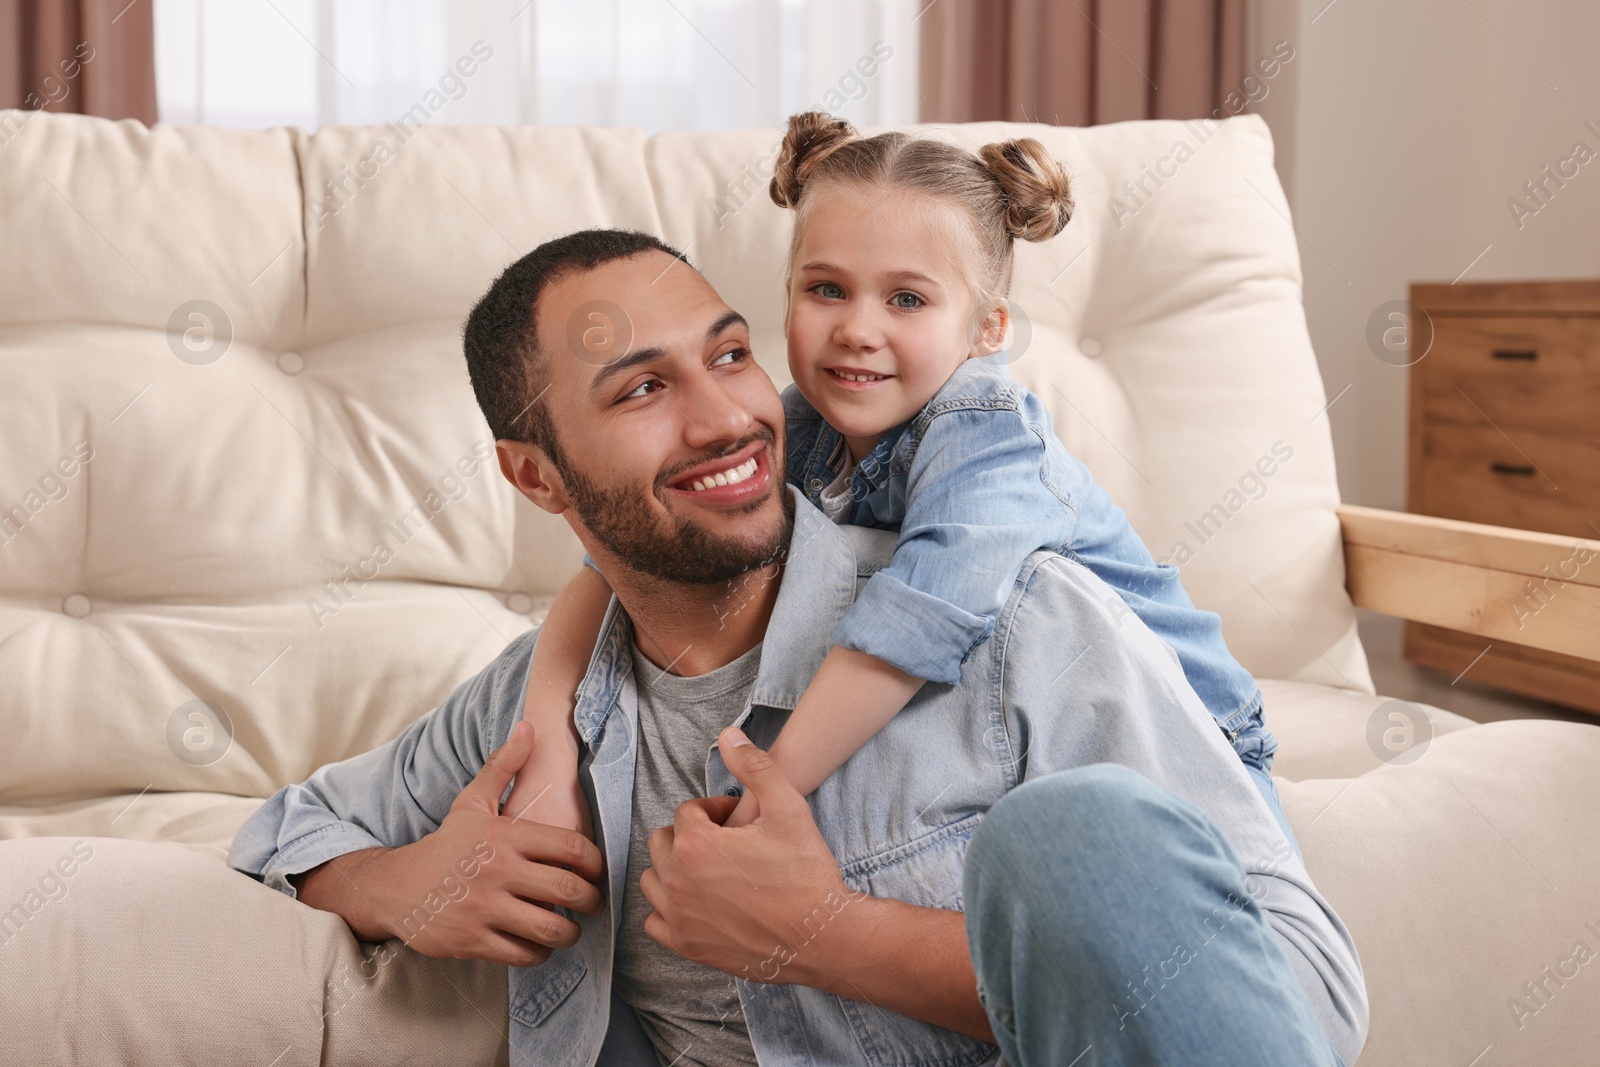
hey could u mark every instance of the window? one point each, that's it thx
(654, 64)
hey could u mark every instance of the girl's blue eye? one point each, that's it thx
(828, 291)
(900, 301)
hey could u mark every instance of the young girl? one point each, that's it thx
(903, 416)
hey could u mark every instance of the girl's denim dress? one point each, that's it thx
(974, 482)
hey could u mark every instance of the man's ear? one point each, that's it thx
(990, 335)
(535, 477)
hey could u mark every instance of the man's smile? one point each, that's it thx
(737, 478)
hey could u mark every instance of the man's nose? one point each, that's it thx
(712, 414)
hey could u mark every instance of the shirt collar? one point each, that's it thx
(817, 587)
(610, 662)
(836, 457)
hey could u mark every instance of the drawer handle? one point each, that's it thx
(1516, 353)
(1512, 468)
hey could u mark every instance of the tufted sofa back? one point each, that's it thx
(250, 520)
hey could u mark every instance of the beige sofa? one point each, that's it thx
(231, 370)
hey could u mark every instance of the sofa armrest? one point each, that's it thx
(1535, 589)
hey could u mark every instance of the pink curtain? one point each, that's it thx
(93, 57)
(1081, 62)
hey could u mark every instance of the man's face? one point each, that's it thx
(670, 433)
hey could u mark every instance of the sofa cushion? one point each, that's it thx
(1462, 877)
(283, 536)
(1325, 732)
(136, 952)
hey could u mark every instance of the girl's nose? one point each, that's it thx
(855, 329)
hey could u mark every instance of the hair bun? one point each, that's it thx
(812, 137)
(1037, 191)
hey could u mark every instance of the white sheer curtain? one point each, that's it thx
(654, 64)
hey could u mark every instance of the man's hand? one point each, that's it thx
(476, 888)
(757, 901)
(766, 902)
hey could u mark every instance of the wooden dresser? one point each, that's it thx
(1505, 429)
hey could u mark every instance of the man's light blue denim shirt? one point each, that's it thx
(975, 482)
(1069, 678)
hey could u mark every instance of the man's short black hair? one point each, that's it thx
(509, 373)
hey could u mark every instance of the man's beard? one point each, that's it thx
(677, 551)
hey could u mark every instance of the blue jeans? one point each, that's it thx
(1080, 887)
(1256, 749)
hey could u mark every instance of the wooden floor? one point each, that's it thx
(1394, 677)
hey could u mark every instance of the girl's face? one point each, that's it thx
(879, 313)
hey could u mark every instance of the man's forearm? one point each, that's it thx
(335, 887)
(900, 958)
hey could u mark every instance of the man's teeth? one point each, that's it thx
(727, 477)
(861, 377)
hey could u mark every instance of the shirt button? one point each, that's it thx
(816, 483)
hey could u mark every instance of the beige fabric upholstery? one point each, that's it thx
(1462, 876)
(1324, 732)
(150, 954)
(221, 499)
(185, 521)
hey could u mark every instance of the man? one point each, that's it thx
(1140, 905)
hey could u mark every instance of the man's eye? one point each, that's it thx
(739, 354)
(828, 291)
(635, 393)
(907, 301)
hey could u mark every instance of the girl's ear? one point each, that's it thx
(990, 336)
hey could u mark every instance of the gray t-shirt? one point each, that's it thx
(691, 1012)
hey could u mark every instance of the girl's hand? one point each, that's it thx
(547, 791)
(745, 813)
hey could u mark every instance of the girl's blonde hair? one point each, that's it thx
(1010, 189)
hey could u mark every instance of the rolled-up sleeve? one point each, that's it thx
(393, 795)
(977, 504)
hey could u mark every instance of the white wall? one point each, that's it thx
(1403, 127)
